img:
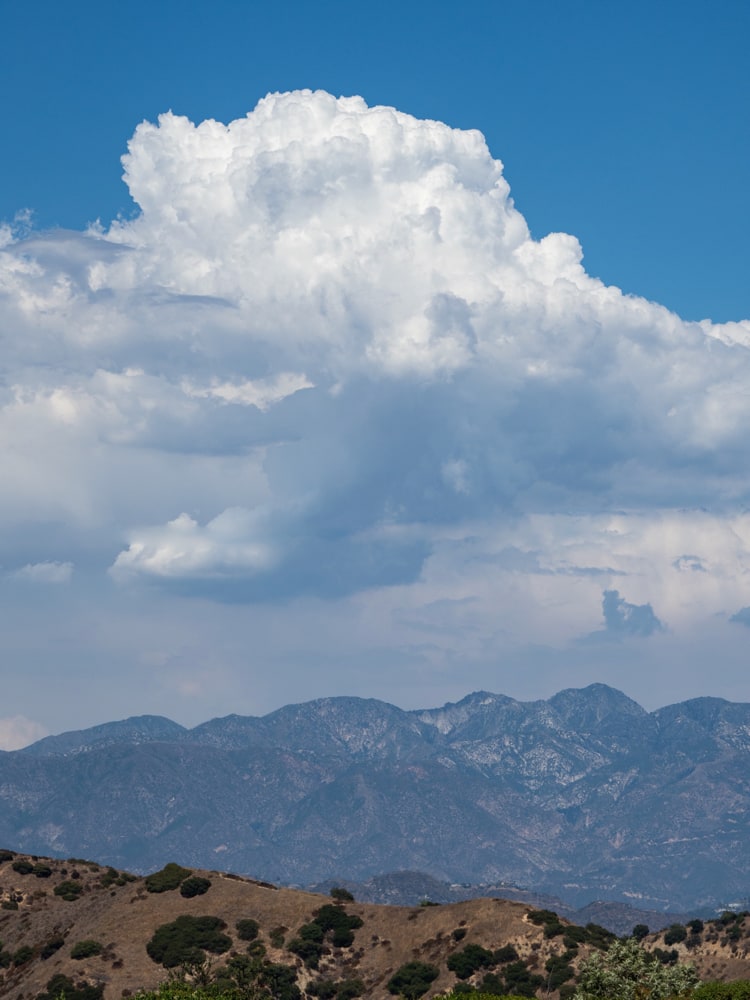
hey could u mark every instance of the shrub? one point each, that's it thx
(194, 886)
(186, 940)
(85, 949)
(599, 936)
(540, 917)
(41, 871)
(341, 895)
(61, 986)
(506, 954)
(323, 988)
(640, 931)
(52, 945)
(348, 989)
(520, 981)
(465, 963)
(170, 877)
(23, 867)
(459, 934)
(247, 930)
(23, 955)
(559, 971)
(309, 951)
(674, 934)
(336, 919)
(413, 980)
(6, 855)
(281, 981)
(737, 990)
(696, 926)
(6, 959)
(69, 891)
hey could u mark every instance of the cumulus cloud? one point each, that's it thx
(16, 731)
(328, 356)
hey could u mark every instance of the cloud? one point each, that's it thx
(16, 731)
(45, 572)
(327, 357)
(741, 617)
(622, 618)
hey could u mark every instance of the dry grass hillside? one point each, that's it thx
(51, 906)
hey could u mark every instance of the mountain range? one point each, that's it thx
(584, 796)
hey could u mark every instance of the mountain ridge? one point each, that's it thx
(584, 796)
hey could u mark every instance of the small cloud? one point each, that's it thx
(692, 564)
(742, 617)
(17, 731)
(45, 572)
(623, 618)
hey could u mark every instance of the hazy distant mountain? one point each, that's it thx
(584, 796)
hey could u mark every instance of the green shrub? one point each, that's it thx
(186, 940)
(640, 931)
(247, 930)
(6, 959)
(696, 926)
(554, 929)
(23, 955)
(195, 886)
(309, 951)
(559, 971)
(413, 980)
(599, 936)
(85, 949)
(9, 904)
(348, 989)
(674, 934)
(459, 934)
(540, 917)
(341, 895)
(41, 871)
(325, 989)
(69, 891)
(737, 990)
(170, 877)
(52, 945)
(23, 867)
(520, 981)
(6, 855)
(281, 981)
(506, 954)
(61, 986)
(465, 963)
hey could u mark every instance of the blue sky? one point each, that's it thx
(324, 412)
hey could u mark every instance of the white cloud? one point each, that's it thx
(16, 731)
(328, 357)
(45, 572)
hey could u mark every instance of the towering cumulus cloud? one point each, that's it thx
(327, 356)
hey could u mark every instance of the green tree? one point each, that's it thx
(628, 972)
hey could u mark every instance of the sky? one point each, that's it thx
(395, 351)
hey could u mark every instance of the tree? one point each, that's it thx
(628, 972)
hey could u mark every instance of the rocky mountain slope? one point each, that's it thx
(585, 796)
(96, 925)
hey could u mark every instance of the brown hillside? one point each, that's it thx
(122, 916)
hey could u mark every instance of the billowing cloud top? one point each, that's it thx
(327, 355)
